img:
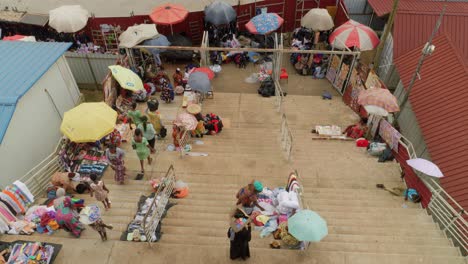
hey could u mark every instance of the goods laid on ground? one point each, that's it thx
(26, 252)
(84, 158)
(283, 216)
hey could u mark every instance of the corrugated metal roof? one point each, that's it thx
(412, 30)
(21, 65)
(384, 7)
(439, 101)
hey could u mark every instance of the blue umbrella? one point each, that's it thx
(264, 23)
(307, 225)
(199, 81)
(160, 40)
(219, 13)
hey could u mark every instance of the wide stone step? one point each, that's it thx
(351, 230)
(330, 221)
(220, 254)
(227, 200)
(198, 239)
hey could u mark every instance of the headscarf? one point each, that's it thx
(258, 186)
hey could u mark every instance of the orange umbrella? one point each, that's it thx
(169, 14)
(206, 71)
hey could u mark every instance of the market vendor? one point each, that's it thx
(358, 130)
(67, 216)
(178, 78)
(69, 181)
(247, 196)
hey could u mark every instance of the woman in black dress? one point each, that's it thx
(239, 234)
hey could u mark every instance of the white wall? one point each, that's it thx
(34, 130)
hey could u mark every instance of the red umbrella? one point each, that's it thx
(169, 14)
(206, 71)
(354, 34)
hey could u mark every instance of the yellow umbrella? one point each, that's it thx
(88, 122)
(126, 78)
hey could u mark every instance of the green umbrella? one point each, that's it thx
(307, 225)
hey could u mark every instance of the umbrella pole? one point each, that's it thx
(172, 32)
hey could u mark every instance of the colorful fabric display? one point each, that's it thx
(11, 202)
(15, 199)
(25, 191)
(10, 217)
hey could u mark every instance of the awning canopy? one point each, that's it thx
(35, 19)
(23, 17)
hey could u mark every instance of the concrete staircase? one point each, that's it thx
(366, 225)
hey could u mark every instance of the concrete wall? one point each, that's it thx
(34, 130)
(409, 125)
(89, 70)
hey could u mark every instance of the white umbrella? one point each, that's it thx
(68, 19)
(318, 19)
(136, 34)
(425, 167)
(375, 110)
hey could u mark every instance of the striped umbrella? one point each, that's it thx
(354, 34)
(264, 23)
(379, 97)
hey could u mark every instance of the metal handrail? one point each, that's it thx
(445, 211)
(286, 137)
(39, 176)
(183, 141)
(157, 208)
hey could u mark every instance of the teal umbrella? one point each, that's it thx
(307, 225)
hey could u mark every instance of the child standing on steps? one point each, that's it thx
(100, 191)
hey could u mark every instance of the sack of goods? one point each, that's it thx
(213, 124)
(267, 88)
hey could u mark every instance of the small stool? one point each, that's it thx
(284, 74)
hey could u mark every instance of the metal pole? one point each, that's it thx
(383, 39)
(420, 63)
(92, 72)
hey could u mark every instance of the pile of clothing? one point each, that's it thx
(14, 200)
(44, 219)
(213, 124)
(279, 204)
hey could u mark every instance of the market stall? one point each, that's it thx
(286, 218)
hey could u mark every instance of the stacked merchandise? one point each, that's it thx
(32, 253)
(83, 158)
(14, 200)
(135, 231)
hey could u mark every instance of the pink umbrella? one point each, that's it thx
(425, 167)
(186, 120)
(354, 34)
(379, 97)
(206, 71)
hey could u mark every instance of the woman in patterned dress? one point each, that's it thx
(100, 191)
(116, 156)
(66, 215)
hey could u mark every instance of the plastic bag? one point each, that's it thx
(180, 184)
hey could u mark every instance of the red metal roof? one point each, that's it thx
(439, 101)
(416, 19)
(412, 30)
(384, 7)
